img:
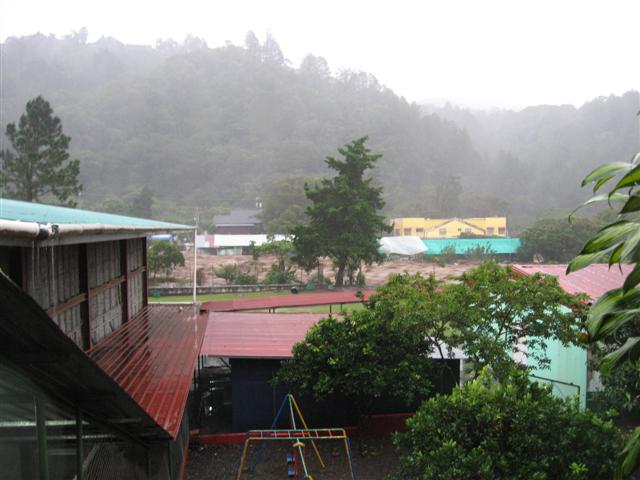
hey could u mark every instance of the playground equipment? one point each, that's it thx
(296, 463)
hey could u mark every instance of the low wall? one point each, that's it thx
(187, 290)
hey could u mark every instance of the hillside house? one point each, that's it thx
(238, 222)
(95, 381)
(450, 227)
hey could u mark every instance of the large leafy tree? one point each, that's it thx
(555, 239)
(344, 223)
(496, 316)
(383, 350)
(38, 165)
(163, 257)
(614, 317)
(512, 430)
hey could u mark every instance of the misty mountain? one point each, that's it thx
(536, 157)
(214, 127)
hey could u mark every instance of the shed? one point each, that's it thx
(255, 344)
(238, 222)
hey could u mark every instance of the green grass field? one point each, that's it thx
(218, 296)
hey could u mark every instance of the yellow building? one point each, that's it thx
(450, 227)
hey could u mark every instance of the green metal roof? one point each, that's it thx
(435, 246)
(40, 213)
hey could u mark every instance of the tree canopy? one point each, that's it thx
(38, 165)
(163, 257)
(344, 219)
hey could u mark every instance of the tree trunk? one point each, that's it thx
(340, 274)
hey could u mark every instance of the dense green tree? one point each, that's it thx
(513, 430)
(344, 220)
(555, 239)
(367, 354)
(163, 257)
(499, 316)
(282, 271)
(38, 166)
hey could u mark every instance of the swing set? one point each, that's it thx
(296, 464)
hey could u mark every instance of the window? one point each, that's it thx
(443, 232)
(467, 230)
(396, 232)
(407, 231)
(420, 232)
(489, 230)
(502, 230)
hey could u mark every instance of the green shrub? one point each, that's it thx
(479, 253)
(279, 275)
(448, 254)
(517, 430)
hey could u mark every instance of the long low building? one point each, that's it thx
(233, 244)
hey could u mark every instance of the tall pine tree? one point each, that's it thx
(39, 166)
(344, 223)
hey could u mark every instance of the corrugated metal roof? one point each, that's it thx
(31, 340)
(40, 213)
(283, 301)
(593, 280)
(238, 218)
(152, 358)
(435, 246)
(256, 335)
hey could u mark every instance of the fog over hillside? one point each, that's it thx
(216, 127)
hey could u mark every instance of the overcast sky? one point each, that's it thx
(507, 53)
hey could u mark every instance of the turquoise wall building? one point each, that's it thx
(500, 246)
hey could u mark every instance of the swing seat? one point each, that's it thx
(290, 458)
(291, 471)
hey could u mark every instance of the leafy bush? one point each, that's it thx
(245, 279)
(448, 254)
(555, 239)
(479, 252)
(278, 275)
(236, 274)
(517, 430)
(163, 257)
(227, 272)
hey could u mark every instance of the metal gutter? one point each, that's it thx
(40, 231)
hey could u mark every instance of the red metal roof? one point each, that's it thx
(593, 280)
(152, 357)
(255, 335)
(284, 301)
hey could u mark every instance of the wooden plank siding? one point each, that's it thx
(90, 289)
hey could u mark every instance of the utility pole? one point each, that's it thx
(195, 257)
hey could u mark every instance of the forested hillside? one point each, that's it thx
(217, 127)
(536, 157)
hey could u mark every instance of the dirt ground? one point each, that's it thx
(374, 458)
(375, 274)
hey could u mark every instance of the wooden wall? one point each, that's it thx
(90, 289)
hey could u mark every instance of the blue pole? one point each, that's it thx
(263, 447)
